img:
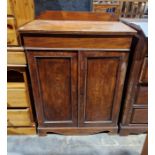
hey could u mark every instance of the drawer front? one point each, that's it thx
(16, 58)
(17, 98)
(142, 95)
(21, 130)
(139, 116)
(9, 8)
(11, 32)
(19, 117)
(99, 42)
(144, 72)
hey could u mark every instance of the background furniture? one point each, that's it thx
(122, 8)
(134, 8)
(20, 116)
(77, 69)
(135, 113)
(107, 6)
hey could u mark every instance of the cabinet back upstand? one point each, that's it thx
(77, 71)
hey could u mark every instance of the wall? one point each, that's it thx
(68, 5)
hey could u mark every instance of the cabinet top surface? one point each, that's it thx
(77, 27)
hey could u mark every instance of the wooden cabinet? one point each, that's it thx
(19, 108)
(19, 12)
(77, 71)
(55, 78)
(135, 110)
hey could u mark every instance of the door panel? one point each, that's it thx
(54, 81)
(101, 83)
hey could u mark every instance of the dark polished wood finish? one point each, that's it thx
(43, 131)
(144, 72)
(54, 79)
(135, 111)
(77, 74)
(102, 75)
(74, 41)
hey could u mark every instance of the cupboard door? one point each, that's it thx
(102, 77)
(54, 82)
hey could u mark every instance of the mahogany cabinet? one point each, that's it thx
(77, 70)
(135, 111)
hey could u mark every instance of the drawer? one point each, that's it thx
(17, 95)
(144, 72)
(11, 32)
(19, 117)
(57, 41)
(21, 130)
(9, 8)
(142, 96)
(139, 116)
(16, 58)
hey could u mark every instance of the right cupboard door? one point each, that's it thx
(101, 83)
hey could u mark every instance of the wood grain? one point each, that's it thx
(125, 130)
(77, 27)
(77, 131)
(140, 116)
(15, 49)
(23, 11)
(135, 92)
(144, 72)
(142, 96)
(11, 32)
(16, 58)
(101, 87)
(16, 85)
(77, 42)
(80, 16)
(19, 117)
(21, 130)
(9, 8)
(56, 95)
(17, 95)
(67, 61)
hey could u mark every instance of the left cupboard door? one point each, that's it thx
(54, 83)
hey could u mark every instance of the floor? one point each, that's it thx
(99, 144)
